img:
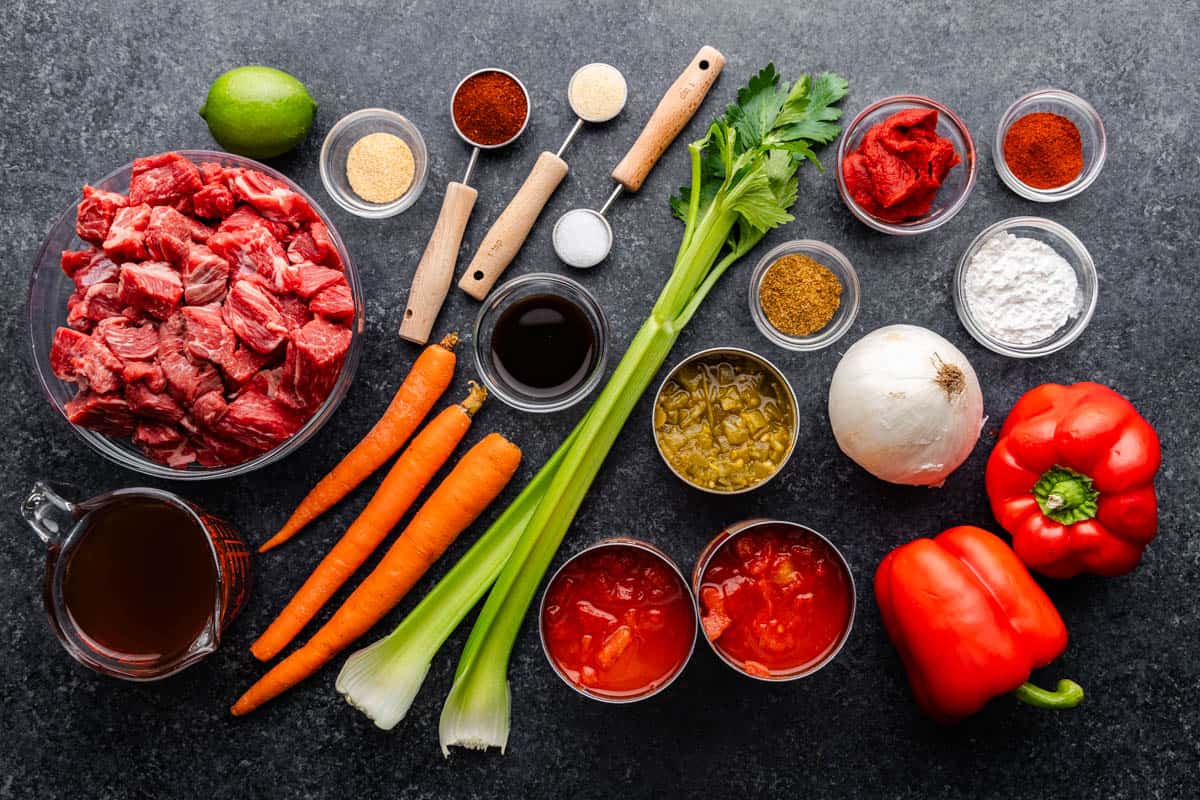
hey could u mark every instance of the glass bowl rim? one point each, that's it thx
(502, 293)
(1089, 175)
(970, 162)
(831, 332)
(105, 445)
(374, 210)
(1060, 339)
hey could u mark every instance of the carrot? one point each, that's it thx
(476, 480)
(430, 375)
(407, 478)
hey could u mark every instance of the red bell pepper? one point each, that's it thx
(1072, 480)
(970, 623)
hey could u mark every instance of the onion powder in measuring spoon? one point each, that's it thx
(582, 238)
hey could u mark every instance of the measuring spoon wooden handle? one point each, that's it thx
(436, 270)
(502, 241)
(674, 111)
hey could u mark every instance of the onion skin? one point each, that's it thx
(906, 406)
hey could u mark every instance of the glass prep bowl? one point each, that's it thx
(49, 288)
(336, 148)
(1067, 245)
(1091, 134)
(833, 260)
(955, 189)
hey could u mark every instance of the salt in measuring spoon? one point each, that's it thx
(436, 268)
(508, 233)
(673, 113)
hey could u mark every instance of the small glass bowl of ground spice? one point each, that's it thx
(804, 295)
(1050, 145)
(374, 163)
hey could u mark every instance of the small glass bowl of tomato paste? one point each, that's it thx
(955, 187)
(618, 621)
(776, 599)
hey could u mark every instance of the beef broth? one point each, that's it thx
(141, 580)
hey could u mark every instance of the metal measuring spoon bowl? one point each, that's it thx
(582, 238)
(575, 92)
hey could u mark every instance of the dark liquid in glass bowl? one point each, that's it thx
(544, 346)
(140, 582)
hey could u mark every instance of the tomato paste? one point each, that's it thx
(618, 621)
(775, 600)
(898, 167)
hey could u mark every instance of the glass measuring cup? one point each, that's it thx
(65, 527)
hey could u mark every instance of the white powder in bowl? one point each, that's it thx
(1020, 290)
(582, 238)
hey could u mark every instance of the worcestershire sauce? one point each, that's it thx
(140, 581)
(543, 345)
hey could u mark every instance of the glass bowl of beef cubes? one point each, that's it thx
(195, 315)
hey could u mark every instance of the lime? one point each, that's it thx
(258, 111)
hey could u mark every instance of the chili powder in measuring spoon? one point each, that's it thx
(490, 108)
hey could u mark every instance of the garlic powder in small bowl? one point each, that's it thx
(1025, 287)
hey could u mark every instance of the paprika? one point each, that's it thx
(970, 623)
(1072, 480)
(490, 108)
(1044, 150)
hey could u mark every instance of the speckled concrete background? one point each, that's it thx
(86, 87)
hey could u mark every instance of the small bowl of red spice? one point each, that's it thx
(776, 599)
(1050, 145)
(618, 621)
(906, 165)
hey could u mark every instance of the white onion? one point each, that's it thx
(905, 404)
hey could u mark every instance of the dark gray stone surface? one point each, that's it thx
(86, 87)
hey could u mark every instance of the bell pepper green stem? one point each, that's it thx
(1068, 695)
(1066, 496)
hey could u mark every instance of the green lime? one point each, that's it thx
(258, 112)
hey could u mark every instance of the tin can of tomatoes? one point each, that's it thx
(776, 599)
(617, 621)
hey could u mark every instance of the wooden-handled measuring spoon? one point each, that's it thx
(508, 233)
(673, 113)
(436, 268)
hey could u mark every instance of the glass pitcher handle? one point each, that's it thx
(49, 514)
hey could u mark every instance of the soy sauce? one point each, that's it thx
(544, 346)
(140, 581)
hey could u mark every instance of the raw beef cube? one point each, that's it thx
(253, 251)
(147, 403)
(151, 286)
(77, 313)
(267, 381)
(212, 173)
(245, 217)
(207, 336)
(217, 451)
(312, 279)
(301, 248)
(75, 260)
(214, 201)
(244, 365)
(174, 456)
(129, 342)
(169, 235)
(255, 317)
(314, 361)
(295, 311)
(156, 435)
(126, 240)
(67, 353)
(100, 269)
(327, 250)
(186, 379)
(148, 372)
(270, 197)
(334, 303)
(96, 213)
(257, 421)
(209, 409)
(104, 413)
(164, 179)
(101, 302)
(205, 276)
